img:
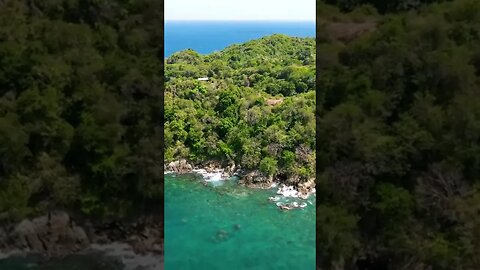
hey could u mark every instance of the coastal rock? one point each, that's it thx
(306, 188)
(56, 234)
(256, 179)
(3, 239)
(293, 180)
(212, 166)
(226, 168)
(25, 237)
(146, 237)
(232, 168)
(52, 234)
(179, 167)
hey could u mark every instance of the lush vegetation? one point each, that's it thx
(80, 106)
(257, 109)
(383, 6)
(398, 184)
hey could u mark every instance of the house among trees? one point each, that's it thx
(203, 79)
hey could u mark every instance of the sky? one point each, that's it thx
(212, 10)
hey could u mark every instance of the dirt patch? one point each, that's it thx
(274, 101)
(348, 31)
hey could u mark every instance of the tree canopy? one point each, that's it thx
(398, 141)
(257, 109)
(80, 106)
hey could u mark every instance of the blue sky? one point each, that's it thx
(273, 10)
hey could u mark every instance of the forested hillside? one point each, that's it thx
(80, 106)
(382, 6)
(257, 109)
(398, 153)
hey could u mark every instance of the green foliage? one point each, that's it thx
(381, 5)
(14, 195)
(257, 108)
(336, 235)
(398, 136)
(394, 204)
(13, 143)
(268, 166)
(80, 95)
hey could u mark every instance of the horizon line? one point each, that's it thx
(240, 20)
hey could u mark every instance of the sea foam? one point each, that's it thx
(214, 176)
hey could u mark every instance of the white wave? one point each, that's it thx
(8, 254)
(288, 191)
(214, 176)
(274, 199)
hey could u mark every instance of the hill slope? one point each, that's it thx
(257, 109)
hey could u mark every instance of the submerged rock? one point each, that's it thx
(290, 206)
(222, 235)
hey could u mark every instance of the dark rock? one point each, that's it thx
(256, 179)
(52, 234)
(222, 235)
(56, 234)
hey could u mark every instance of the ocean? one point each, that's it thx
(114, 256)
(226, 226)
(208, 36)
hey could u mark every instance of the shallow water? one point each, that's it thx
(226, 226)
(114, 256)
(74, 262)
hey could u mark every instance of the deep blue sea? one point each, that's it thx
(208, 36)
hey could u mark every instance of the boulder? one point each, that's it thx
(231, 169)
(52, 234)
(56, 234)
(212, 166)
(256, 179)
(180, 166)
(25, 237)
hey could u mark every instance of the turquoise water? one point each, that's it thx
(231, 227)
(206, 37)
(74, 262)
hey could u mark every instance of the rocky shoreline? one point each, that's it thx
(248, 178)
(59, 234)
